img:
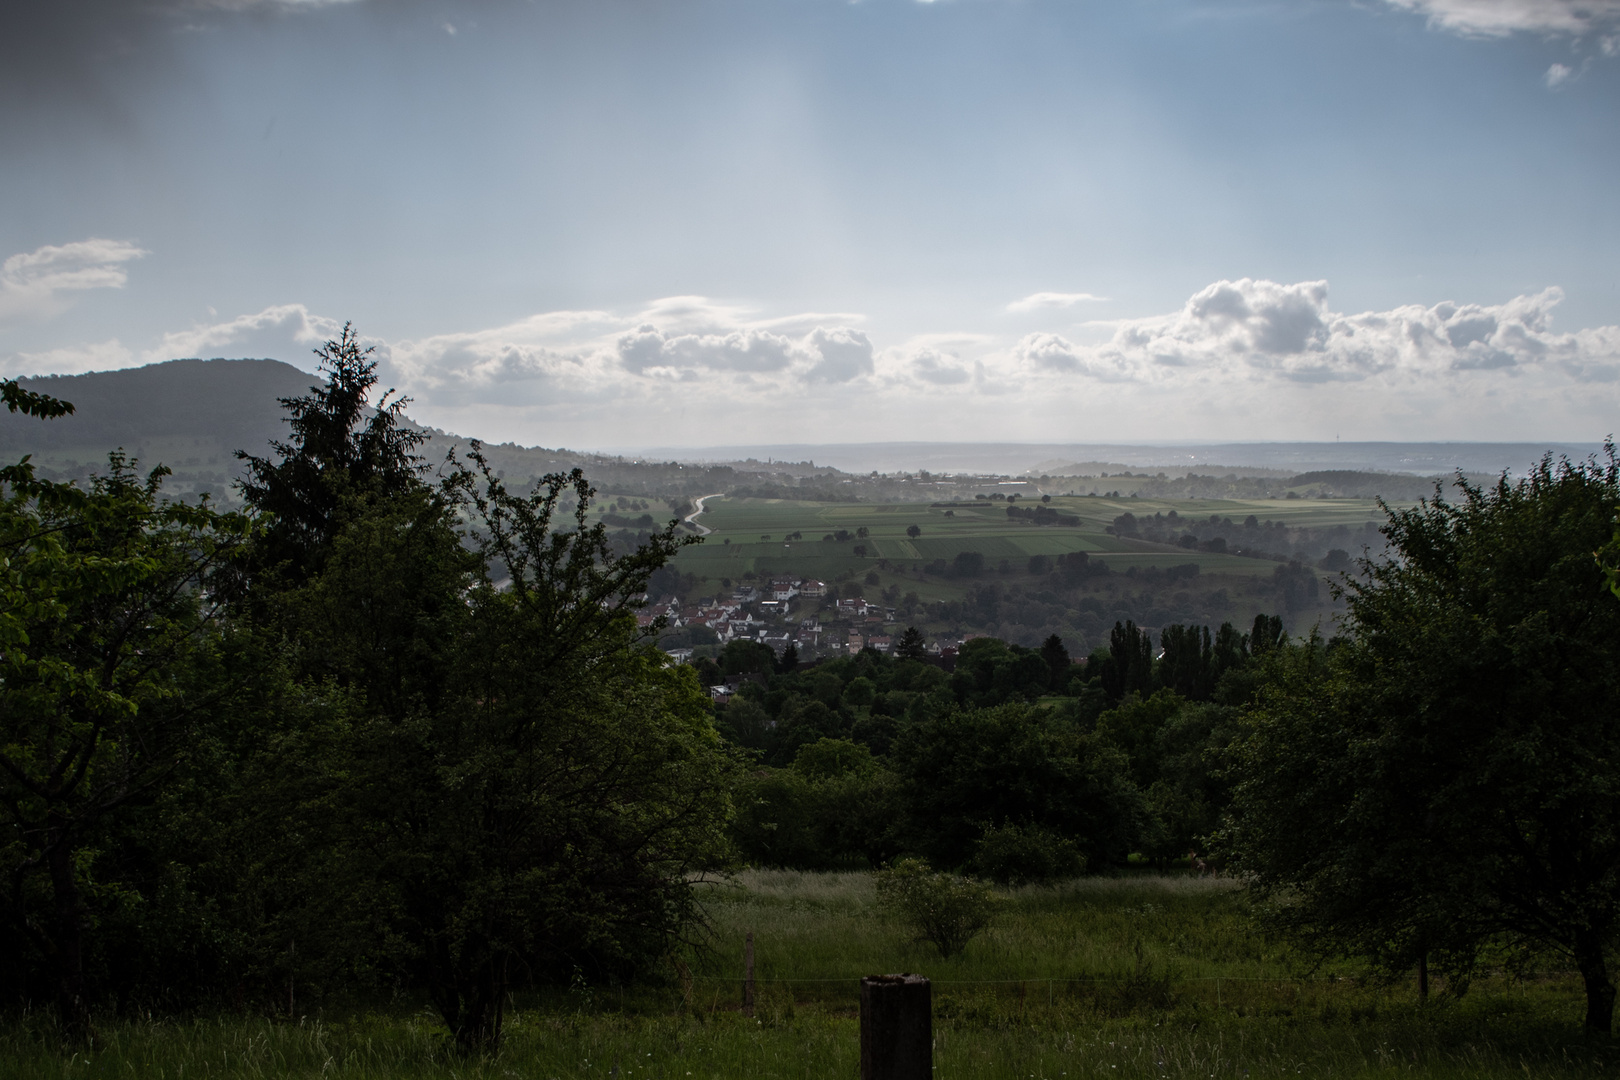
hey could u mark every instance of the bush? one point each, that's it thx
(1020, 855)
(944, 910)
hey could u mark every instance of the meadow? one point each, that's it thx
(1152, 976)
(754, 536)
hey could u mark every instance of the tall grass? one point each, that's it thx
(1131, 977)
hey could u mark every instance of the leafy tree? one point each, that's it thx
(968, 564)
(913, 531)
(1449, 772)
(943, 910)
(744, 657)
(1017, 855)
(107, 633)
(990, 672)
(515, 781)
(972, 769)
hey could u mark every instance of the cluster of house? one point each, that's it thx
(764, 614)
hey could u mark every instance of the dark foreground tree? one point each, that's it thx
(511, 786)
(105, 625)
(342, 448)
(1448, 775)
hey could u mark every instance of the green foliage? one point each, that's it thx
(1608, 558)
(990, 672)
(1012, 854)
(834, 807)
(970, 769)
(32, 403)
(108, 638)
(344, 449)
(1446, 773)
(944, 910)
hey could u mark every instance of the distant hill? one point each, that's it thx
(193, 415)
(232, 403)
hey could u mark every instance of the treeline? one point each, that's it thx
(1017, 764)
(1333, 546)
(1323, 484)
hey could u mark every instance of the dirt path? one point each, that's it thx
(691, 519)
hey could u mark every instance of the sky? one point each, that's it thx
(611, 224)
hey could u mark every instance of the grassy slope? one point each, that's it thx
(1149, 977)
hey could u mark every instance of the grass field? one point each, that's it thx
(751, 535)
(1124, 977)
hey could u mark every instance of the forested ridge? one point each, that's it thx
(392, 726)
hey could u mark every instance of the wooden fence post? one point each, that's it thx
(748, 974)
(897, 1028)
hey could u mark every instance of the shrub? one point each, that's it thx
(944, 910)
(1029, 854)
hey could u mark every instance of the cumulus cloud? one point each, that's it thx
(845, 354)
(686, 368)
(1248, 330)
(933, 366)
(1043, 300)
(35, 283)
(1500, 18)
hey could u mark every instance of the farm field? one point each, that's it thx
(1153, 976)
(753, 535)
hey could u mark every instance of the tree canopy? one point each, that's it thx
(1447, 773)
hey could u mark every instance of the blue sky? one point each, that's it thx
(613, 224)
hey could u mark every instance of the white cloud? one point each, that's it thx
(1247, 330)
(1239, 359)
(33, 283)
(1556, 74)
(1499, 18)
(1043, 300)
(284, 332)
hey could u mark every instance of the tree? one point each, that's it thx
(1057, 662)
(1127, 666)
(913, 531)
(515, 782)
(342, 449)
(912, 646)
(1448, 773)
(106, 618)
(973, 769)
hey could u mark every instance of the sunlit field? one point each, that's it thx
(1109, 977)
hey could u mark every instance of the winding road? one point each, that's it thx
(691, 519)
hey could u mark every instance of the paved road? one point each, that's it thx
(691, 519)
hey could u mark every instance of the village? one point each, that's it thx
(784, 613)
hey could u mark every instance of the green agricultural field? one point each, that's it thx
(1133, 977)
(751, 535)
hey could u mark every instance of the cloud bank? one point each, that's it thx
(1240, 358)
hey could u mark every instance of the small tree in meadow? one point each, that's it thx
(944, 910)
